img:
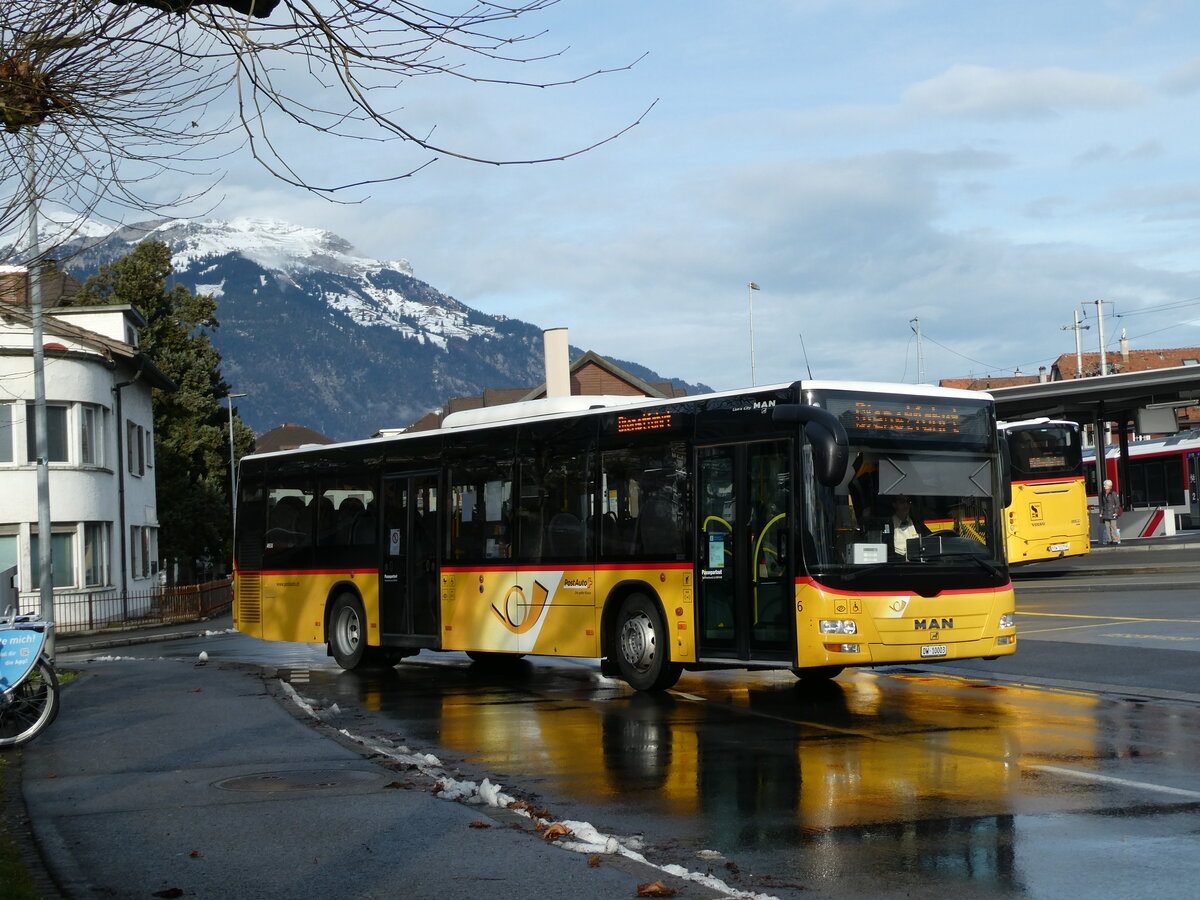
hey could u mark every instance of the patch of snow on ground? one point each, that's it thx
(584, 837)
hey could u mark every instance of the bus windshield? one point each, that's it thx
(919, 496)
(918, 508)
(1045, 451)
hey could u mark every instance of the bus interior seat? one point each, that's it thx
(530, 532)
(362, 530)
(612, 541)
(658, 528)
(564, 535)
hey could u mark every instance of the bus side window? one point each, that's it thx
(346, 531)
(643, 503)
(251, 526)
(555, 506)
(289, 535)
(480, 517)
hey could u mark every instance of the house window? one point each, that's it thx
(95, 554)
(135, 548)
(143, 550)
(135, 446)
(56, 433)
(6, 433)
(147, 552)
(8, 553)
(91, 428)
(62, 549)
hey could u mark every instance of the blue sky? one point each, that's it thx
(987, 168)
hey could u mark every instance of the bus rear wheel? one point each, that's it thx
(348, 633)
(643, 649)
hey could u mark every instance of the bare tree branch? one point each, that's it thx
(122, 92)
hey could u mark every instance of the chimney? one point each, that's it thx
(1042, 375)
(1124, 348)
(558, 363)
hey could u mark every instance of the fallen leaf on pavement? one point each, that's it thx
(534, 812)
(478, 824)
(555, 831)
(656, 889)
(594, 861)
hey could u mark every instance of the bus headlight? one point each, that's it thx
(1008, 620)
(838, 626)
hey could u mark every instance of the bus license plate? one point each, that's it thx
(929, 650)
(1059, 548)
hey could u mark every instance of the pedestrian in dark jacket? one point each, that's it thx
(1110, 509)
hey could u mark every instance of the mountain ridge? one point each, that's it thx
(315, 334)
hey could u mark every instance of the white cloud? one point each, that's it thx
(1108, 153)
(1184, 79)
(969, 90)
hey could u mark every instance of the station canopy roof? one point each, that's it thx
(1104, 398)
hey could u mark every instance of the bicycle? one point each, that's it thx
(28, 682)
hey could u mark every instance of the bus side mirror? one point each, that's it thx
(831, 446)
(1006, 469)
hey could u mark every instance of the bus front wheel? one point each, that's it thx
(643, 650)
(348, 632)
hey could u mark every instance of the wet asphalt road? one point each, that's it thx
(1069, 769)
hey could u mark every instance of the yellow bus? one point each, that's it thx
(744, 529)
(1048, 516)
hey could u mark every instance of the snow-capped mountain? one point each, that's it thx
(368, 291)
(314, 333)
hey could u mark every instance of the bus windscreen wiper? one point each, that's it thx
(974, 557)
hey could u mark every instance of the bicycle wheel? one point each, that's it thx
(30, 706)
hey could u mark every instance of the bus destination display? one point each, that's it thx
(650, 421)
(907, 417)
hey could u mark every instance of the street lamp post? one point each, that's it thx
(232, 460)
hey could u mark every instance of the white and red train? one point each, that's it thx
(1163, 474)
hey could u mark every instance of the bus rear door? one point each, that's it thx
(408, 577)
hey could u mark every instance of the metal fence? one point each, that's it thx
(104, 610)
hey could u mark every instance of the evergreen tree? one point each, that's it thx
(191, 438)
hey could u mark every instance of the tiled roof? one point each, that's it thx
(986, 384)
(288, 436)
(1064, 367)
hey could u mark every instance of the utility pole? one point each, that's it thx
(1099, 304)
(915, 324)
(751, 287)
(1077, 327)
(41, 445)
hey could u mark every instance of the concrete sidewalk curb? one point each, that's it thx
(127, 639)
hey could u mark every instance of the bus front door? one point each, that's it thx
(744, 579)
(408, 579)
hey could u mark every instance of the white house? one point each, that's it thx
(100, 449)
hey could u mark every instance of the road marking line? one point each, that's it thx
(1050, 615)
(1119, 782)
